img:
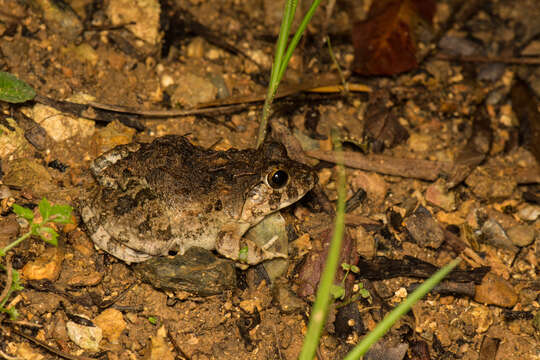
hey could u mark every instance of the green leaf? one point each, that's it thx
(13, 90)
(61, 214)
(23, 212)
(345, 266)
(16, 281)
(355, 269)
(12, 312)
(337, 292)
(49, 235)
(152, 320)
(45, 209)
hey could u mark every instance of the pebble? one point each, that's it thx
(529, 213)
(438, 195)
(495, 235)
(287, 301)
(494, 290)
(192, 90)
(46, 267)
(112, 323)
(143, 13)
(488, 186)
(459, 46)
(420, 142)
(9, 229)
(424, 229)
(195, 49)
(12, 141)
(86, 337)
(60, 18)
(521, 235)
(60, 126)
(490, 72)
(159, 348)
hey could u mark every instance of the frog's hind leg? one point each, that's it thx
(103, 241)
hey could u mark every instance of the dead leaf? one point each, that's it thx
(386, 43)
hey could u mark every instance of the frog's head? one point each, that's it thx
(281, 182)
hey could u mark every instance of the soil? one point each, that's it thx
(149, 56)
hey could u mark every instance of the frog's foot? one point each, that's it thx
(244, 250)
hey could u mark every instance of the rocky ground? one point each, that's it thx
(451, 170)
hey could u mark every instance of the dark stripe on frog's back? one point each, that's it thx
(198, 170)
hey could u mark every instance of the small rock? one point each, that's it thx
(83, 52)
(195, 49)
(5, 192)
(458, 46)
(373, 183)
(61, 19)
(365, 243)
(521, 235)
(480, 317)
(424, 229)
(159, 348)
(490, 72)
(198, 271)
(529, 213)
(111, 322)
(86, 337)
(192, 90)
(86, 279)
(143, 13)
(533, 49)
(12, 141)
(438, 195)
(29, 174)
(494, 290)
(112, 135)
(27, 352)
(46, 267)
(60, 126)
(420, 142)
(490, 186)
(495, 235)
(287, 301)
(9, 229)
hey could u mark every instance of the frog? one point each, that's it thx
(164, 197)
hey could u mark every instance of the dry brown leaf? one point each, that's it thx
(385, 44)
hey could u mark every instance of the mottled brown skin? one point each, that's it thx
(169, 195)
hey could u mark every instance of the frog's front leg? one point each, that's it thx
(230, 244)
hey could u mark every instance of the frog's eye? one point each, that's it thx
(277, 179)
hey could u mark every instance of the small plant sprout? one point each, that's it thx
(37, 226)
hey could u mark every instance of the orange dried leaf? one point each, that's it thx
(385, 44)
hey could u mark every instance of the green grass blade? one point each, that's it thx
(399, 311)
(296, 38)
(323, 298)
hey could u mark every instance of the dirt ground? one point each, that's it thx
(468, 126)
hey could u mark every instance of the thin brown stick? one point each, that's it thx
(490, 59)
(166, 113)
(409, 168)
(9, 279)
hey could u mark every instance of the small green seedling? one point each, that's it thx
(58, 214)
(152, 320)
(338, 291)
